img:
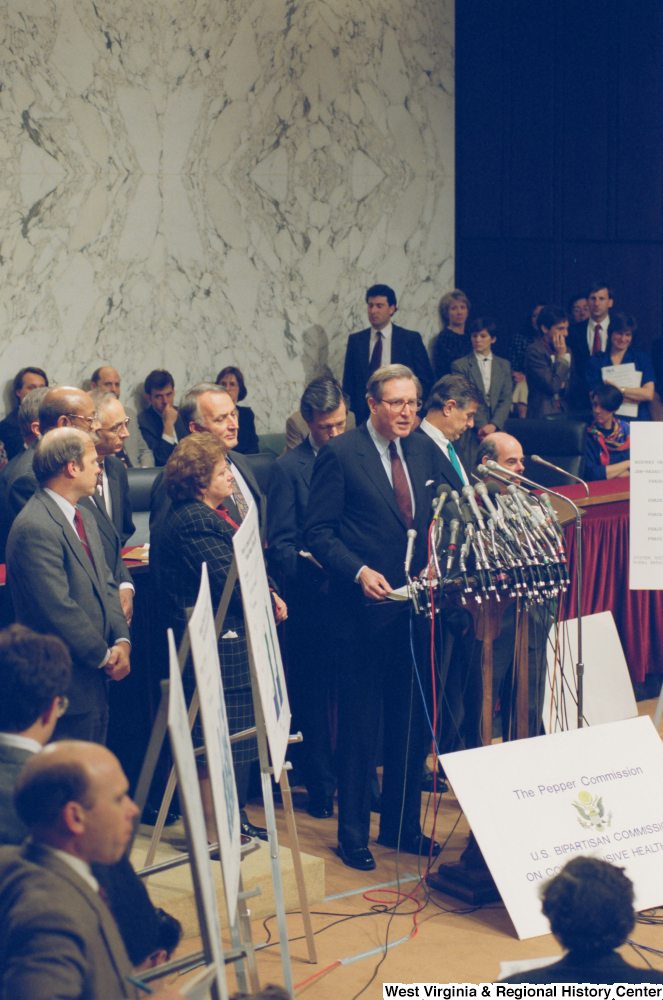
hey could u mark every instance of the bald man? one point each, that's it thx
(504, 449)
(57, 935)
(134, 454)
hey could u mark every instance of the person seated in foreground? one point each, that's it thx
(607, 451)
(58, 935)
(590, 909)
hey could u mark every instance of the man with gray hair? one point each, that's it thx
(369, 488)
(134, 454)
(451, 406)
(310, 660)
(60, 582)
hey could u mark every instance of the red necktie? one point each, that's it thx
(401, 487)
(80, 528)
(596, 349)
(376, 356)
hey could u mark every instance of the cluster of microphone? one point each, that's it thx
(495, 542)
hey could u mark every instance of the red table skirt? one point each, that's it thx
(638, 614)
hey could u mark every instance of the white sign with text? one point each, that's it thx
(205, 654)
(261, 634)
(533, 804)
(646, 512)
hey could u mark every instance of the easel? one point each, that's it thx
(241, 928)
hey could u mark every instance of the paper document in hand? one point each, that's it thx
(205, 654)
(625, 376)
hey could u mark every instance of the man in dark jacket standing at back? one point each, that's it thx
(383, 343)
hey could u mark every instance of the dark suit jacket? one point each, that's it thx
(576, 341)
(151, 427)
(57, 936)
(448, 474)
(547, 381)
(495, 406)
(118, 484)
(12, 759)
(57, 591)
(21, 482)
(354, 520)
(608, 969)
(407, 348)
(287, 499)
(10, 435)
(247, 439)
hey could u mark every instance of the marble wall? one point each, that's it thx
(194, 184)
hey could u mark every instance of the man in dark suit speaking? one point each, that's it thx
(383, 343)
(369, 487)
(60, 582)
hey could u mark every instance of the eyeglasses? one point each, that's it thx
(91, 421)
(398, 405)
(118, 426)
(63, 705)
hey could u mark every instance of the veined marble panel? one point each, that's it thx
(193, 184)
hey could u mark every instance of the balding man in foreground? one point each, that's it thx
(60, 582)
(134, 454)
(58, 938)
(504, 449)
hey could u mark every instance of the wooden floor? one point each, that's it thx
(445, 943)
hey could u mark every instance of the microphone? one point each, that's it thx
(468, 494)
(411, 535)
(453, 539)
(439, 503)
(484, 470)
(482, 491)
(577, 479)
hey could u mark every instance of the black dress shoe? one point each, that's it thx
(440, 784)
(356, 857)
(417, 845)
(249, 830)
(320, 806)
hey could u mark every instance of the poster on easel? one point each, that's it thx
(191, 803)
(646, 507)
(261, 633)
(205, 653)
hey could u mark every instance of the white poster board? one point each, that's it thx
(607, 690)
(646, 512)
(261, 634)
(626, 377)
(189, 795)
(534, 804)
(205, 654)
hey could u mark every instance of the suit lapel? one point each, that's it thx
(73, 540)
(410, 453)
(115, 492)
(306, 462)
(364, 344)
(374, 469)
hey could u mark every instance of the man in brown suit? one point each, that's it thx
(57, 935)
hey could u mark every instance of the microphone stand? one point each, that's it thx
(569, 475)
(580, 666)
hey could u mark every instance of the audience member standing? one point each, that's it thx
(310, 660)
(135, 454)
(160, 424)
(383, 343)
(620, 351)
(25, 381)
(491, 377)
(59, 580)
(578, 309)
(548, 365)
(586, 339)
(232, 381)
(452, 342)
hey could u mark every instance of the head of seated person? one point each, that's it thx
(28, 414)
(113, 422)
(324, 408)
(74, 796)
(67, 406)
(211, 408)
(606, 400)
(504, 449)
(198, 470)
(106, 377)
(159, 391)
(589, 905)
(232, 380)
(28, 379)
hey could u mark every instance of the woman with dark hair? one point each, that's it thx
(620, 351)
(232, 381)
(198, 529)
(589, 905)
(578, 309)
(607, 451)
(452, 342)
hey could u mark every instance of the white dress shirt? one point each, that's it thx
(81, 867)
(386, 344)
(442, 442)
(315, 447)
(485, 362)
(19, 742)
(591, 326)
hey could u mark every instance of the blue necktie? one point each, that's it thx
(453, 458)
